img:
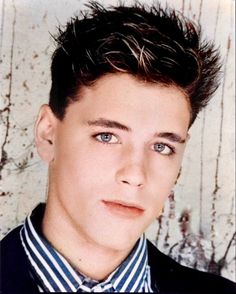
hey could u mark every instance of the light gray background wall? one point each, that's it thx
(198, 224)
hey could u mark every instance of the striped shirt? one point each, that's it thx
(52, 272)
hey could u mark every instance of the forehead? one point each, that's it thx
(123, 98)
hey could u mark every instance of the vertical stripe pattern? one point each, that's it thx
(52, 273)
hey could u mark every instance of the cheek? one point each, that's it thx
(85, 163)
(164, 172)
(158, 200)
(162, 181)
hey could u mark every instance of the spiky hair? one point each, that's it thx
(151, 43)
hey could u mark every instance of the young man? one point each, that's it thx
(127, 84)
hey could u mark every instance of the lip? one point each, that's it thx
(123, 209)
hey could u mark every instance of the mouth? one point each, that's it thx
(123, 209)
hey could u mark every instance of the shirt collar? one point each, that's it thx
(52, 272)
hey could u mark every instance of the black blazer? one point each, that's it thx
(168, 277)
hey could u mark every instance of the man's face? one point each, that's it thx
(116, 157)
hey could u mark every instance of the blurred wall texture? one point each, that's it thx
(198, 223)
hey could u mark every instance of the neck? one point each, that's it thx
(87, 257)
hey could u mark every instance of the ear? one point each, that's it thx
(45, 128)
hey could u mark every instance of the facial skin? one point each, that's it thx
(121, 145)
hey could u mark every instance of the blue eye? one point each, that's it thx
(106, 138)
(163, 149)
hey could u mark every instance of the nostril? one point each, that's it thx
(131, 183)
(132, 175)
(125, 182)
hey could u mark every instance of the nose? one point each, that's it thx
(132, 173)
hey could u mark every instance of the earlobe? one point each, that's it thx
(45, 128)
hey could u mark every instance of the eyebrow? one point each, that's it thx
(171, 137)
(102, 122)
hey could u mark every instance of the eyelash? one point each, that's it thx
(105, 133)
(172, 149)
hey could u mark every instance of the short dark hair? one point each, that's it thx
(153, 44)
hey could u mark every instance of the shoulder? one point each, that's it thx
(172, 278)
(14, 265)
(12, 235)
(11, 245)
